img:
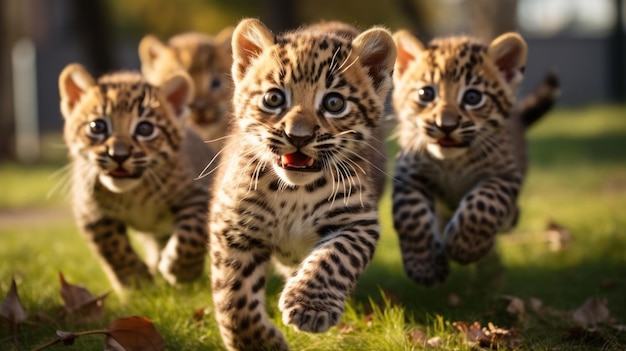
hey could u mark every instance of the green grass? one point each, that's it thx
(577, 178)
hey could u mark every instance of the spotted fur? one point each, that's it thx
(296, 183)
(207, 59)
(133, 166)
(462, 158)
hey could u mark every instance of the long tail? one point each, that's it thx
(540, 101)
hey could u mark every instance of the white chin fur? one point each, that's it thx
(445, 152)
(295, 177)
(118, 185)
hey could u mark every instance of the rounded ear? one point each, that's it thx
(409, 50)
(74, 81)
(150, 47)
(249, 40)
(223, 40)
(178, 90)
(376, 51)
(508, 52)
(225, 35)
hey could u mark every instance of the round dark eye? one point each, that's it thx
(427, 94)
(334, 103)
(274, 98)
(472, 97)
(98, 126)
(144, 129)
(216, 83)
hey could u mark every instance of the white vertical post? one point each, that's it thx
(25, 101)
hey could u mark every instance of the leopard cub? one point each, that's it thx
(133, 166)
(207, 59)
(462, 151)
(297, 181)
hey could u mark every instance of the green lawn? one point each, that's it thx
(577, 179)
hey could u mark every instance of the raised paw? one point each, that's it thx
(468, 244)
(306, 311)
(427, 268)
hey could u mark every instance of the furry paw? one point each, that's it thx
(305, 311)
(468, 245)
(427, 269)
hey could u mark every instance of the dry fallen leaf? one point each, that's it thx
(345, 328)
(79, 301)
(12, 308)
(200, 316)
(558, 237)
(133, 334)
(515, 306)
(435, 342)
(592, 312)
(417, 336)
(490, 336)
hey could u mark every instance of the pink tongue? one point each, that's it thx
(447, 142)
(119, 172)
(297, 159)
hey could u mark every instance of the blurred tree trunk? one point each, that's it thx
(92, 26)
(491, 18)
(7, 124)
(280, 15)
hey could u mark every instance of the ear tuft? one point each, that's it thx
(509, 52)
(74, 81)
(178, 91)
(249, 40)
(409, 50)
(376, 51)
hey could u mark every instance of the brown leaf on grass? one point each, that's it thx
(417, 336)
(199, 316)
(67, 338)
(490, 336)
(515, 306)
(345, 328)
(435, 342)
(592, 312)
(12, 308)
(80, 302)
(133, 334)
(558, 237)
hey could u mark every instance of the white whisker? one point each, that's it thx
(63, 183)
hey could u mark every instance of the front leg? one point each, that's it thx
(238, 275)
(414, 219)
(490, 207)
(109, 240)
(313, 299)
(182, 259)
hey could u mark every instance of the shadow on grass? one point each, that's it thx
(479, 288)
(591, 150)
